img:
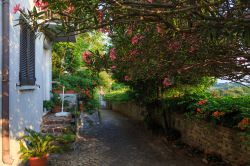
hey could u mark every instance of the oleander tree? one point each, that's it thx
(158, 43)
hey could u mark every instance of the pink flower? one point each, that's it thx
(126, 78)
(133, 52)
(70, 9)
(150, 1)
(16, 8)
(113, 67)
(86, 55)
(100, 16)
(106, 31)
(158, 28)
(191, 49)
(166, 82)
(136, 39)
(129, 30)
(37, 3)
(40, 4)
(112, 54)
(174, 46)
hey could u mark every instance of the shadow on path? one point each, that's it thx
(115, 140)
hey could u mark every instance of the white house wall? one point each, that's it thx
(26, 106)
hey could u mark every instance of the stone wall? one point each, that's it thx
(129, 109)
(224, 141)
(203, 135)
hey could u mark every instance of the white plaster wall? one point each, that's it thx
(26, 107)
(47, 74)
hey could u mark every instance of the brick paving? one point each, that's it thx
(115, 140)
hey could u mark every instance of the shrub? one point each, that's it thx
(227, 111)
(119, 93)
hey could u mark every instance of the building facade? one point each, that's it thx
(29, 79)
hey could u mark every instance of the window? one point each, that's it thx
(27, 54)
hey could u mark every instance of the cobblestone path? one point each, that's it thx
(116, 140)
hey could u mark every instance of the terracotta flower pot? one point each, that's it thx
(70, 92)
(36, 161)
(56, 108)
(57, 91)
(66, 92)
(81, 107)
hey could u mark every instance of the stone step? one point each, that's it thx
(55, 122)
(55, 125)
(54, 128)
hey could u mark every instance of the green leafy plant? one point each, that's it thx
(119, 94)
(35, 144)
(84, 82)
(56, 99)
(48, 104)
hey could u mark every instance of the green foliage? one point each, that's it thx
(175, 43)
(67, 57)
(119, 93)
(82, 79)
(105, 80)
(84, 82)
(230, 89)
(226, 111)
(48, 104)
(225, 104)
(195, 90)
(55, 100)
(35, 144)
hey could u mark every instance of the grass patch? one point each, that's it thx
(119, 95)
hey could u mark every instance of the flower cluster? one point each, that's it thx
(136, 39)
(41, 5)
(199, 110)
(158, 28)
(166, 82)
(217, 114)
(191, 50)
(133, 52)
(16, 8)
(86, 92)
(243, 124)
(201, 102)
(126, 78)
(174, 46)
(86, 57)
(112, 54)
(70, 9)
(100, 16)
(129, 30)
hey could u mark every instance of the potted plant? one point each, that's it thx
(48, 105)
(36, 147)
(57, 102)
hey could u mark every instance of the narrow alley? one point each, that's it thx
(114, 140)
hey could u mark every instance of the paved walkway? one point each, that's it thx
(115, 140)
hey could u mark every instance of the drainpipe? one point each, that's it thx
(5, 84)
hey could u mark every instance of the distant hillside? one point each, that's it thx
(226, 85)
(230, 89)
